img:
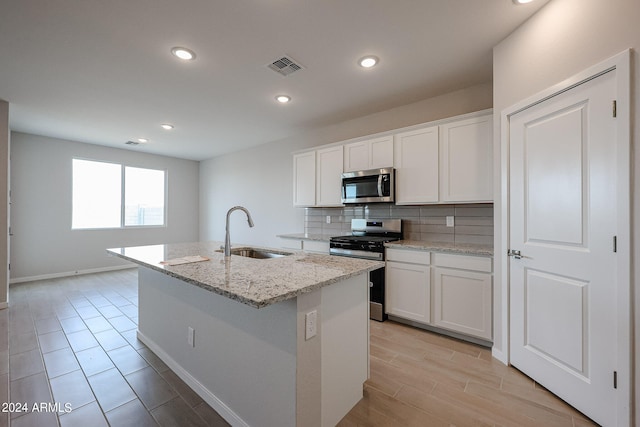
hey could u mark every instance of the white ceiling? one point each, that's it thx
(101, 71)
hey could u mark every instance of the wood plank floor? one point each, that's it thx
(419, 378)
(73, 340)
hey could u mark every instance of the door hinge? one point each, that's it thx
(615, 243)
(615, 108)
(615, 379)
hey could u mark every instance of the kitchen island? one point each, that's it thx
(266, 342)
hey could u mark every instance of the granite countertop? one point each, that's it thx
(455, 248)
(255, 282)
(306, 236)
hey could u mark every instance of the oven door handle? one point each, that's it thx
(375, 256)
(380, 186)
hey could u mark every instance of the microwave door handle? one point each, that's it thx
(380, 185)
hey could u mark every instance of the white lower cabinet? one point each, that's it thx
(462, 301)
(313, 246)
(445, 291)
(408, 291)
(316, 246)
(288, 243)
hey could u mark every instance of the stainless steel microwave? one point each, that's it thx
(369, 186)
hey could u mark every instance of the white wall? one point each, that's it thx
(43, 242)
(562, 39)
(261, 178)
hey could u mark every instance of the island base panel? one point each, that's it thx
(254, 366)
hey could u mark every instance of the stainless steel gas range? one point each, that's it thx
(366, 241)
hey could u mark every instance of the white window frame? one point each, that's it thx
(123, 166)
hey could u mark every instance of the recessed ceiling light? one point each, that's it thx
(522, 1)
(183, 53)
(368, 61)
(166, 126)
(143, 140)
(283, 99)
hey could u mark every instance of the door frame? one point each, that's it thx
(621, 63)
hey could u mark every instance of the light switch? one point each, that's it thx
(191, 336)
(328, 219)
(450, 222)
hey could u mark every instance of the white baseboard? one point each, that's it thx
(218, 405)
(500, 355)
(69, 273)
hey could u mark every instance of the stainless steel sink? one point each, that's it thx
(257, 253)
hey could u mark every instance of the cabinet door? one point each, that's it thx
(462, 301)
(304, 179)
(466, 163)
(356, 156)
(408, 291)
(416, 163)
(381, 153)
(328, 176)
(371, 154)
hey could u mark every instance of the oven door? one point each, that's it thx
(370, 186)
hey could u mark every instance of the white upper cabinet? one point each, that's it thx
(370, 154)
(317, 177)
(416, 163)
(450, 161)
(466, 163)
(328, 176)
(304, 179)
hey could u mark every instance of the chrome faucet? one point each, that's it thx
(227, 239)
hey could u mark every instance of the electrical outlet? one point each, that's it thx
(450, 221)
(328, 219)
(191, 336)
(311, 321)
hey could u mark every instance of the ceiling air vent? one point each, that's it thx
(285, 66)
(132, 143)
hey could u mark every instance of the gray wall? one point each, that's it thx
(261, 178)
(562, 39)
(4, 201)
(43, 242)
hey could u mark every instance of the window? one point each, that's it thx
(143, 196)
(110, 195)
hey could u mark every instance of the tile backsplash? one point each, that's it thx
(473, 223)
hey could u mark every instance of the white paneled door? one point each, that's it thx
(563, 306)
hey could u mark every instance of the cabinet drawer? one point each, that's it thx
(315, 246)
(464, 262)
(409, 256)
(291, 244)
